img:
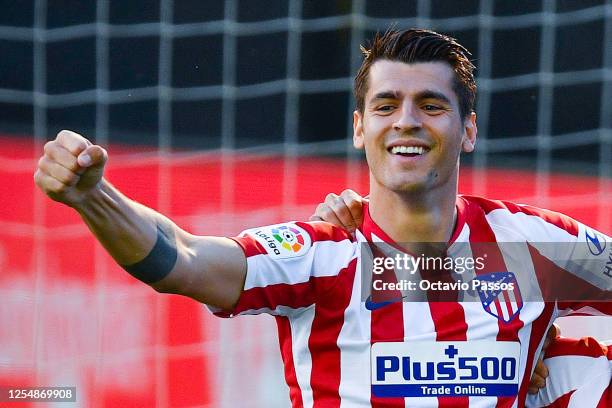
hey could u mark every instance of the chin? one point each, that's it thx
(411, 186)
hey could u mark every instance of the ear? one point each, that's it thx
(357, 129)
(470, 132)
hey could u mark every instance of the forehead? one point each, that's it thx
(410, 78)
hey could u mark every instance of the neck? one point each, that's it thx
(424, 216)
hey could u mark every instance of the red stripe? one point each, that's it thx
(560, 220)
(450, 324)
(498, 307)
(386, 324)
(286, 347)
(538, 330)
(449, 321)
(250, 246)
(483, 241)
(586, 346)
(283, 294)
(563, 401)
(323, 341)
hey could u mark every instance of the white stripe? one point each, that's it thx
(354, 344)
(421, 402)
(419, 326)
(502, 309)
(324, 258)
(590, 394)
(301, 328)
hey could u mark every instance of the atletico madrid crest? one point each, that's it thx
(500, 295)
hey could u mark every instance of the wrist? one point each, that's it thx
(91, 198)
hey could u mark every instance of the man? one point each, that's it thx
(415, 93)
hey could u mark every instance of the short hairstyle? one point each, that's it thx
(417, 45)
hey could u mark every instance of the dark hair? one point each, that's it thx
(415, 45)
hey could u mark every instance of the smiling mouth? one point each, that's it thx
(408, 151)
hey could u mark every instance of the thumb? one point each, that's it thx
(93, 156)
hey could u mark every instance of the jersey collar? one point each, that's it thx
(371, 231)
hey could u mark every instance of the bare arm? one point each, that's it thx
(147, 244)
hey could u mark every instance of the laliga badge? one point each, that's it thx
(282, 240)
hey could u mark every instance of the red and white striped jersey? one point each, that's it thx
(580, 374)
(332, 341)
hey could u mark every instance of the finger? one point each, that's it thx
(315, 217)
(541, 370)
(354, 202)
(537, 382)
(556, 330)
(326, 214)
(63, 157)
(73, 142)
(553, 333)
(343, 213)
(330, 198)
(533, 390)
(57, 171)
(48, 184)
(93, 156)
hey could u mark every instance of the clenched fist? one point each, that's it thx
(70, 168)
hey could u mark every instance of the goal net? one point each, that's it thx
(232, 114)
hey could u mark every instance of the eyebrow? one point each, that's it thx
(429, 94)
(426, 94)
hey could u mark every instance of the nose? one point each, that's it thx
(408, 119)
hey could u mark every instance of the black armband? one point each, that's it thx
(162, 258)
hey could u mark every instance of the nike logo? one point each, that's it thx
(371, 306)
(594, 245)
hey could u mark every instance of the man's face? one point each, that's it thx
(411, 127)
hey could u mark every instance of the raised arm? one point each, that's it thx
(144, 242)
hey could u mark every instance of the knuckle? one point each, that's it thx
(348, 194)
(320, 208)
(330, 198)
(342, 211)
(50, 145)
(58, 188)
(326, 214)
(72, 164)
(353, 204)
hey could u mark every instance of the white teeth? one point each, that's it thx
(407, 150)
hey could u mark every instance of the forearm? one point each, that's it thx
(138, 238)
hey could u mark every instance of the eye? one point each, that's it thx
(385, 108)
(431, 108)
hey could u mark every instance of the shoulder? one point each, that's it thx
(522, 216)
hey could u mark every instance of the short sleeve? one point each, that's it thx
(289, 266)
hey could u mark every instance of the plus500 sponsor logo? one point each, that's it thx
(463, 368)
(485, 368)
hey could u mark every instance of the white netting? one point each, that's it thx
(237, 364)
